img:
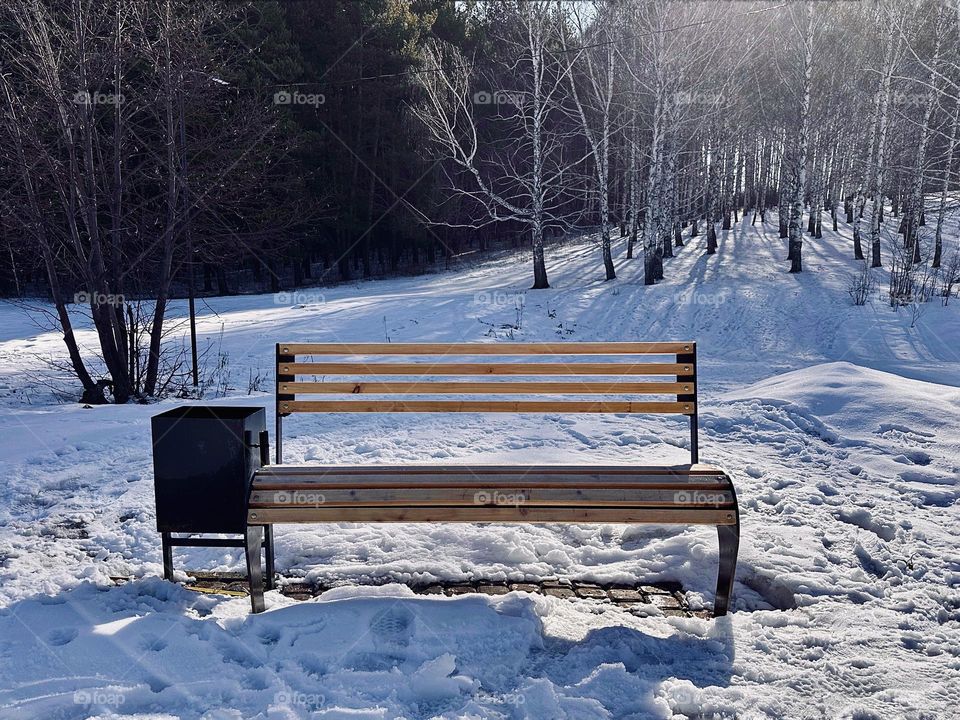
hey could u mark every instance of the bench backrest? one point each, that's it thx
(555, 370)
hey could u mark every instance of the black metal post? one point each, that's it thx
(187, 220)
(268, 552)
(193, 327)
(279, 440)
(688, 375)
(282, 378)
(280, 397)
(264, 448)
(694, 439)
(268, 530)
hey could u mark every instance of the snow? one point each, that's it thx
(840, 425)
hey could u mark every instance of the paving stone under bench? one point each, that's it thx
(665, 601)
(597, 593)
(558, 591)
(659, 599)
(493, 589)
(460, 589)
(662, 588)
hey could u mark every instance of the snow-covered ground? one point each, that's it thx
(840, 425)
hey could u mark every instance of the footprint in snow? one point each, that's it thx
(913, 457)
(895, 431)
(152, 643)
(255, 680)
(861, 518)
(269, 635)
(237, 653)
(392, 629)
(62, 636)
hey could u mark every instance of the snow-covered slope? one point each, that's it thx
(839, 423)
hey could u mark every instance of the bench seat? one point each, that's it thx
(679, 494)
(684, 494)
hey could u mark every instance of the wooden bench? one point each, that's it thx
(693, 494)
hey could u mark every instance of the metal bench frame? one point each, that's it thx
(376, 494)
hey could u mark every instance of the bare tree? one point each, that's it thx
(945, 184)
(102, 160)
(523, 173)
(891, 57)
(915, 205)
(805, 34)
(595, 65)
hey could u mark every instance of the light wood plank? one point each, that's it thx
(307, 477)
(572, 348)
(499, 514)
(336, 478)
(486, 388)
(481, 406)
(455, 469)
(472, 496)
(322, 484)
(515, 368)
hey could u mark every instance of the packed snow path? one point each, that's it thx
(840, 425)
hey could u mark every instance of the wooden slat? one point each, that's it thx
(572, 348)
(497, 514)
(516, 368)
(472, 496)
(321, 484)
(484, 476)
(278, 476)
(485, 406)
(487, 388)
(472, 470)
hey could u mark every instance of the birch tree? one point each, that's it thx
(915, 206)
(595, 66)
(945, 183)
(521, 174)
(799, 158)
(891, 55)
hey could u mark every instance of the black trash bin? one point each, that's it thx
(204, 458)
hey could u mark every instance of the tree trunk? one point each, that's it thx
(883, 109)
(945, 187)
(540, 281)
(37, 222)
(800, 158)
(916, 191)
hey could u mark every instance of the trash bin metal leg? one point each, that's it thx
(167, 552)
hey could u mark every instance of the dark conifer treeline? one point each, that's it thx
(147, 146)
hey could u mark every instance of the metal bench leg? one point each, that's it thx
(729, 537)
(167, 552)
(268, 547)
(254, 570)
